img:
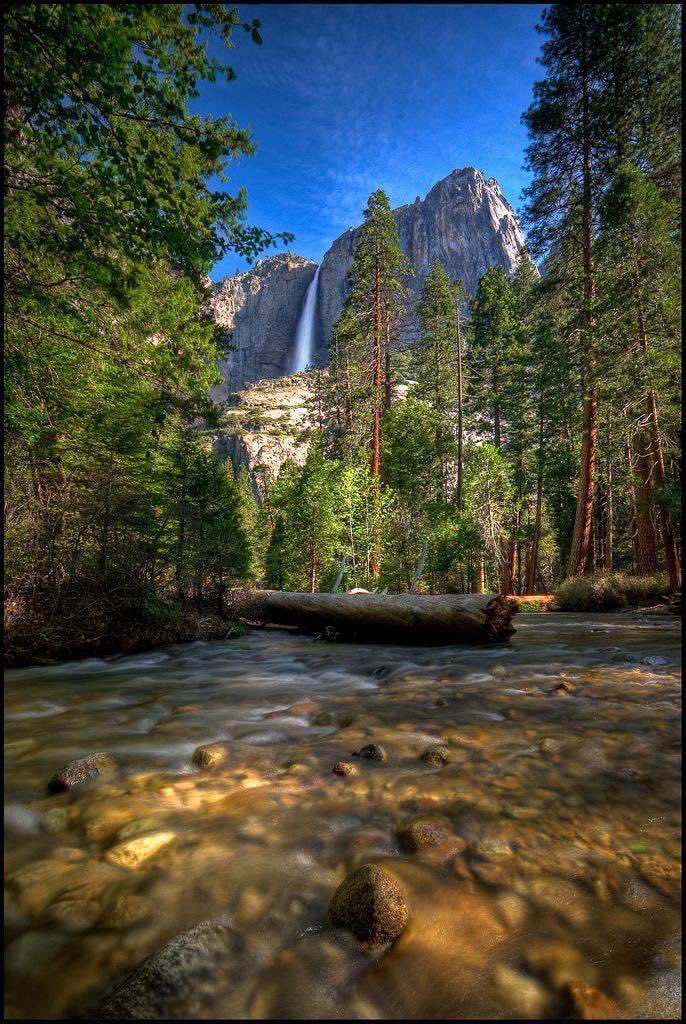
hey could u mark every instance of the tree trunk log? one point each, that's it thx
(402, 618)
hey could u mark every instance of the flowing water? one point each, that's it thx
(564, 868)
(304, 334)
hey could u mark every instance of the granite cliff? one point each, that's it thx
(259, 311)
(464, 220)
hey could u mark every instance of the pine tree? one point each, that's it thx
(639, 268)
(564, 124)
(377, 289)
(437, 363)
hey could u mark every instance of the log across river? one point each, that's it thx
(396, 618)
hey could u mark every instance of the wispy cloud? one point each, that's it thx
(344, 99)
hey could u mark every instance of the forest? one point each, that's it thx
(524, 440)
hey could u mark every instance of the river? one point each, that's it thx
(564, 868)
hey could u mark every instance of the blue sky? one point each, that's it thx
(346, 98)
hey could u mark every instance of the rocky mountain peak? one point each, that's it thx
(464, 220)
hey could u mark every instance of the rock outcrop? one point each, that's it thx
(267, 423)
(259, 311)
(464, 220)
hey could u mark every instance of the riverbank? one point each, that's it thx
(35, 642)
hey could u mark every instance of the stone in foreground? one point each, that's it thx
(82, 770)
(210, 755)
(421, 832)
(134, 852)
(436, 756)
(370, 904)
(181, 981)
(373, 752)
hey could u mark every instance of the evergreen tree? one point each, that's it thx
(436, 358)
(639, 271)
(374, 310)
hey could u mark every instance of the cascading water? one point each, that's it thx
(304, 334)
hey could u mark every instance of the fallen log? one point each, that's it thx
(390, 618)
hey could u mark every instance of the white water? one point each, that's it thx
(304, 335)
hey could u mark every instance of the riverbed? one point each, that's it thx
(562, 792)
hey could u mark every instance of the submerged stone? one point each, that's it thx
(209, 755)
(135, 851)
(373, 751)
(421, 832)
(180, 981)
(344, 768)
(82, 770)
(370, 904)
(436, 756)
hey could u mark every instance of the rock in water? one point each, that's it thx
(134, 852)
(421, 832)
(370, 904)
(436, 756)
(209, 755)
(181, 981)
(373, 752)
(344, 768)
(82, 770)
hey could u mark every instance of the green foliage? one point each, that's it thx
(114, 502)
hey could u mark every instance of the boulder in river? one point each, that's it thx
(210, 755)
(373, 751)
(370, 904)
(82, 770)
(423, 831)
(181, 981)
(133, 852)
(344, 768)
(436, 756)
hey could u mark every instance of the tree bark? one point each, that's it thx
(646, 547)
(609, 510)
(659, 475)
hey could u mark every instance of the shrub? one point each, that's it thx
(610, 592)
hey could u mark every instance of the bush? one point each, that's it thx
(610, 592)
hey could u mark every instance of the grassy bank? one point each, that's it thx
(44, 639)
(608, 592)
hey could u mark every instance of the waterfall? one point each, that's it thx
(304, 334)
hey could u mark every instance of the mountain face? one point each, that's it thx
(266, 423)
(259, 311)
(464, 220)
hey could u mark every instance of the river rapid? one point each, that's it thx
(564, 868)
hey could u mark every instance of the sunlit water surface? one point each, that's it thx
(569, 807)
